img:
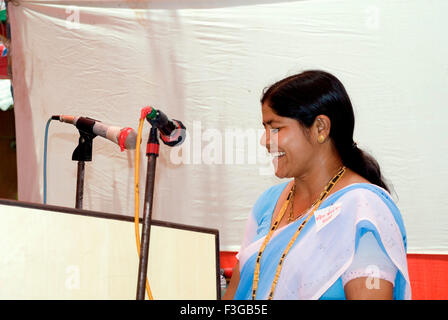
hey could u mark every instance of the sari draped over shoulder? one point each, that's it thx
(324, 250)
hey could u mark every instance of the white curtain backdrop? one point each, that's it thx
(206, 63)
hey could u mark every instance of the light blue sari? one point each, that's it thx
(317, 259)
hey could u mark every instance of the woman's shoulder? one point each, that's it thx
(357, 188)
(367, 199)
(358, 197)
(362, 191)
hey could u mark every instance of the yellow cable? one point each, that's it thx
(137, 204)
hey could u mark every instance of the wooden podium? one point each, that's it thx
(51, 252)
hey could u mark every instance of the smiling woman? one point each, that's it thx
(332, 230)
(318, 98)
(286, 142)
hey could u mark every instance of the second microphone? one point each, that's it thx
(124, 137)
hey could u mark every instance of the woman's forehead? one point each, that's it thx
(270, 117)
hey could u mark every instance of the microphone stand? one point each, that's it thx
(82, 153)
(152, 152)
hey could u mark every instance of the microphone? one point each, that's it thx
(124, 137)
(172, 132)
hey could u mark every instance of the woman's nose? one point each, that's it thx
(265, 140)
(264, 137)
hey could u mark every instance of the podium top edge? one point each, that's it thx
(104, 215)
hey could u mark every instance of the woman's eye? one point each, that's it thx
(275, 130)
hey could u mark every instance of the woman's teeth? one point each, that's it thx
(277, 154)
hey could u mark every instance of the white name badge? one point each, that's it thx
(326, 215)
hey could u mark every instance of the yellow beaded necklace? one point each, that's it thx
(322, 196)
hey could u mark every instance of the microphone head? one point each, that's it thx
(130, 140)
(68, 119)
(176, 137)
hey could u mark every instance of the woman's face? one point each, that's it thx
(287, 142)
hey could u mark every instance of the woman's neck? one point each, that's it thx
(311, 184)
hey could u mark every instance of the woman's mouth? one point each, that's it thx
(277, 155)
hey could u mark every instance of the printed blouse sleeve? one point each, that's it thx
(371, 262)
(379, 240)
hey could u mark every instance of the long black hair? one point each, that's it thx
(306, 95)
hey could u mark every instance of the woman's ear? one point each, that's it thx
(321, 128)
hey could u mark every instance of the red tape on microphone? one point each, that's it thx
(174, 135)
(122, 138)
(144, 112)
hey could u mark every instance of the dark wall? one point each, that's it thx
(8, 163)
